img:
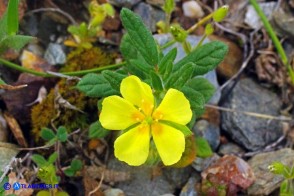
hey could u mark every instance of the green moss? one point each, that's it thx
(42, 114)
(80, 59)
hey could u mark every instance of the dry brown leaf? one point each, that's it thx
(21, 192)
(268, 68)
(108, 175)
(16, 130)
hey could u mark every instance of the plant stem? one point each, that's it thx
(201, 22)
(73, 73)
(274, 38)
(190, 30)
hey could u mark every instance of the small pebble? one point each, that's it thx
(192, 9)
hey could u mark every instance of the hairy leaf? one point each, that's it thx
(113, 78)
(196, 100)
(95, 85)
(14, 41)
(180, 77)
(202, 86)
(156, 81)
(97, 131)
(207, 56)
(141, 37)
(166, 63)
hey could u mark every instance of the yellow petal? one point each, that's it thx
(132, 147)
(169, 142)
(174, 107)
(118, 114)
(138, 93)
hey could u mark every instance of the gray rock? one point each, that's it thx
(158, 3)
(149, 14)
(200, 164)
(190, 189)
(142, 182)
(230, 148)
(36, 49)
(113, 192)
(193, 40)
(55, 54)
(252, 18)
(266, 182)
(251, 132)
(283, 22)
(7, 153)
(209, 131)
(124, 3)
(177, 176)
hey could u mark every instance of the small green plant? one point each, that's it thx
(9, 29)
(51, 137)
(75, 166)
(152, 86)
(85, 34)
(287, 186)
(47, 174)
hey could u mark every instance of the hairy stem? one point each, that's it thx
(73, 73)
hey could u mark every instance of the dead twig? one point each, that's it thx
(69, 17)
(99, 185)
(257, 115)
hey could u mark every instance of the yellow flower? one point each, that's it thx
(137, 114)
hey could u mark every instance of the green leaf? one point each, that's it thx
(47, 134)
(12, 17)
(184, 129)
(2, 81)
(16, 42)
(207, 57)
(156, 81)
(179, 78)
(196, 100)
(52, 158)
(39, 160)
(76, 164)
(202, 86)
(61, 134)
(113, 78)
(97, 131)
(169, 6)
(70, 172)
(95, 85)
(127, 48)
(165, 65)
(3, 26)
(202, 147)
(140, 36)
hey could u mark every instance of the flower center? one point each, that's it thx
(149, 120)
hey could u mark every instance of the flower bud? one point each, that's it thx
(209, 29)
(220, 13)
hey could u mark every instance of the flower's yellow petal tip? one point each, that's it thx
(117, 113)
(175, 107)
(132, 147)
(169, 142)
